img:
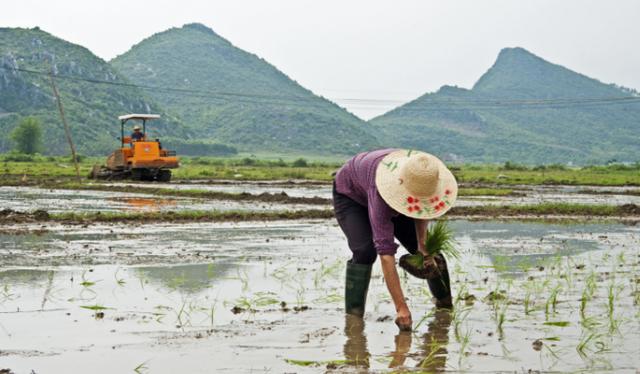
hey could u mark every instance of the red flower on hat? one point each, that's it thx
(416, 207)
(447, 192)
(410, 200)
(441, 204)
(410, 209)
(436, 198)
(437, 207)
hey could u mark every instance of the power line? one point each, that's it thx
(439, 105)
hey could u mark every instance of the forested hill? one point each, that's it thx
(92, 109)
(523, 109)
(237, 98)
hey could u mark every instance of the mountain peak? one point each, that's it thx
(199, 27)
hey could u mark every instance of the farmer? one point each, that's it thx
(384, 194)
(137, 135)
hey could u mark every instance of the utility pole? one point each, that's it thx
(66, 126)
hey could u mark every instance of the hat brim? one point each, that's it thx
(393, 192)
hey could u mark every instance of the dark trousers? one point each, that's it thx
(353, 219)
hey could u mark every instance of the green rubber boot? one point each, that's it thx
(356, 287)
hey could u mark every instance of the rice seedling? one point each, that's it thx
(464, 344)
(424, 318)
(119, 281)
(85, 282)
(592, 343)
(142, 368)
(431, 360)
(527, 303)
(557, 323)
(180, 314)
(501, 317)
(552, 301)
(459, 315)
(244, 279)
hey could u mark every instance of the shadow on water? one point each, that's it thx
(431, 355)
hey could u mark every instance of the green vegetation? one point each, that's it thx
(604, 175)
(27, 136)
(91, 109)
(477, 126)
(240, 99)
(480, 179)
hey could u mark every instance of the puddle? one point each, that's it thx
(169, 291)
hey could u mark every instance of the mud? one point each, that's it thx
(167, 293)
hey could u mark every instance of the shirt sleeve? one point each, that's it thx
(380, 215)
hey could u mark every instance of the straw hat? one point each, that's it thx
(416, 184)
(136, 127)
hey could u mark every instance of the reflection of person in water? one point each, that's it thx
(433, 350)
(435, 342)
(355, 348)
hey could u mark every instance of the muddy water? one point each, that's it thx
(169, 291)
(55, 200)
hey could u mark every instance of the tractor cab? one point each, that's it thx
(139, 157)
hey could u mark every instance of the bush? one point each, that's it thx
(19, 157)
(247, 161)
(513, 166)
(300, 163)
(27, 136)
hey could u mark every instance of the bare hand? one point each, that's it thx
(403, 320)
(429, 261)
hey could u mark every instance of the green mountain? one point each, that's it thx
(91, 109)
(235, 97)
(522, 109)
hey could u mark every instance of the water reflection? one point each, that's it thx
(356, 352)
(149, 204)
(431, 354)
(434, 343)
(188, 278)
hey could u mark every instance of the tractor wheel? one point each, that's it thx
(137, 174)
(164, 175)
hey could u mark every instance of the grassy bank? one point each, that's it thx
(255, 169)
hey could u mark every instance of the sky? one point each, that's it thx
(368, 56)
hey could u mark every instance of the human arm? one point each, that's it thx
(391, 278)
(382, 228)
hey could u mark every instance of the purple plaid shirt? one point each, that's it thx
(357, 180)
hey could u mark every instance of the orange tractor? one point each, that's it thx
(138, 158)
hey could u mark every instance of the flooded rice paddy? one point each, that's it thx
(267, 297)
(59, 200)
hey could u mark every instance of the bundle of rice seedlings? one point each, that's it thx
(439, 243)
